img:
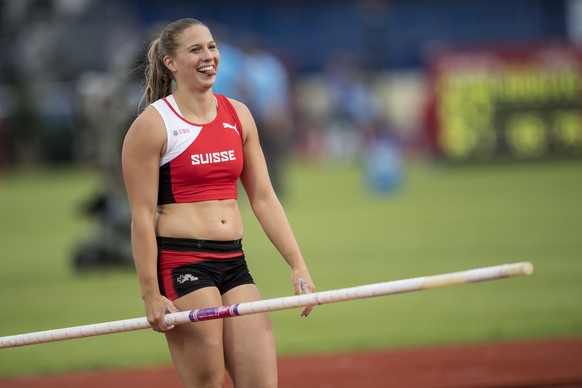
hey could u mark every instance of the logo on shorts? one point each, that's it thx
(186, 278)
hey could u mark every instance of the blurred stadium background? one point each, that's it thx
(464, 80)
(455, 125)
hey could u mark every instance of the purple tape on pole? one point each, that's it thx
(214, 313)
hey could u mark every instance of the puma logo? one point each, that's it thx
(227, 125)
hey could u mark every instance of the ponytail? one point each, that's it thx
(157, 75)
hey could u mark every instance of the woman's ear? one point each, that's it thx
(169, 63)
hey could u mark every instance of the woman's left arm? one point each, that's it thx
(267, 207)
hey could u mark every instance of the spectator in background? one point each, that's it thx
(354, 107)
(267, 93)
(232, 72)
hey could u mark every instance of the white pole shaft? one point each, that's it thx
(284, 303)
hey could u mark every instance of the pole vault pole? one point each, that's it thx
(284, 303)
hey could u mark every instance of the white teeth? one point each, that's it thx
(205, 68)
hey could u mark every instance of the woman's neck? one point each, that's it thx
(196, 107)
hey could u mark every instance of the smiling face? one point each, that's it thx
(196, 59)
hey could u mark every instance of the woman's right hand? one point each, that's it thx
(156, 309)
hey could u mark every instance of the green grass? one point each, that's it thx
(441, 220)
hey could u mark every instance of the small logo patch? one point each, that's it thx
(180, 131)
(186, 278)
(227, 125)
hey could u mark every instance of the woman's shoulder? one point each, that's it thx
(148, 121)
(239, 106)
(149, 115)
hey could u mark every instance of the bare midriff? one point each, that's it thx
(218, 220)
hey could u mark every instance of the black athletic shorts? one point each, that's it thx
(186, 265)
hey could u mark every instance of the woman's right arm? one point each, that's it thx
(140, 155)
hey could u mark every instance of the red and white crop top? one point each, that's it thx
(202, 162)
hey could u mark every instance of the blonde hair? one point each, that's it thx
(157, 76)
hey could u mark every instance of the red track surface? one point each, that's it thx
(520, 364)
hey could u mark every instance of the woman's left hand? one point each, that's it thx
(303, 284)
